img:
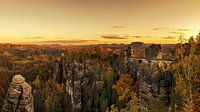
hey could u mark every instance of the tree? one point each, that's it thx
(108, 95)
(123, 87)
(186, 72)
(133, 105)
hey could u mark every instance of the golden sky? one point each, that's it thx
(97, 21)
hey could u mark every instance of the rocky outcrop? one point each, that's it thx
(153, 84)
(154, 51)
(73, 85)
(71, 75)
(144, 77)
(19, 96)
(59, 71)
(161, 86)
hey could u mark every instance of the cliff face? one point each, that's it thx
(154, 77)
(155, 83)
(73, 85)
(19, 96)
(154, 51)
(59, 70)
(70, 75)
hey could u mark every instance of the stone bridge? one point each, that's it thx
(162, 63)
(153, 84)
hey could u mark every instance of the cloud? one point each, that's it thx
(122, 36)
(67, 41)
(39, 37)
(119, 27)
(113, 36)
(140, 36)
(179, 33)
(183, 30)
(156, 29)
(171, 29)
(137, 36)
(170, 37)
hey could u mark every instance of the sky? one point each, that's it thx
(83, 22)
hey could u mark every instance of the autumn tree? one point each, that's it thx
(127, 99)
(108, 96)
(123, 87)
(186, 73)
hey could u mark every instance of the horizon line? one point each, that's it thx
(84, 44)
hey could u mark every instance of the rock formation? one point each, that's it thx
(154, 51)
(144, 77)
(19, 96)
(73, 85)
(153, 84)
(59, 72)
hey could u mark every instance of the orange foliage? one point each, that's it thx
(103, 51)
(123, 88)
